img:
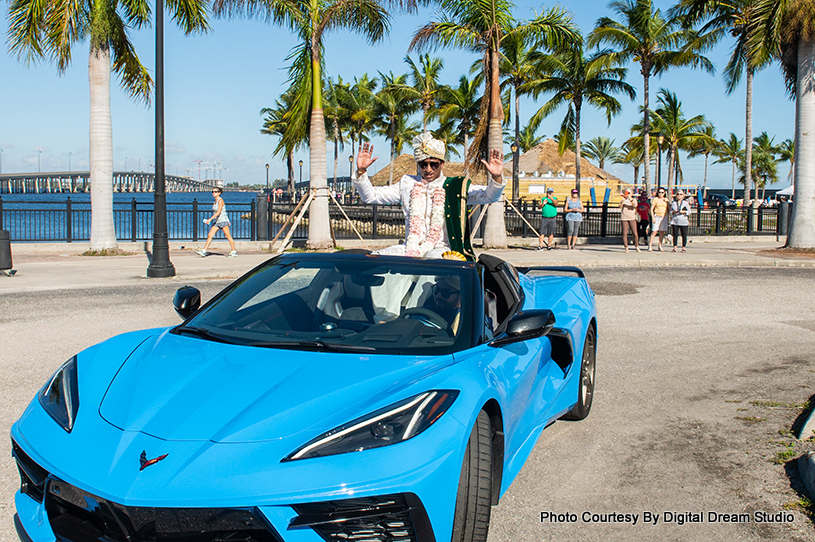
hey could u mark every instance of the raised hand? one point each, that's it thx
(496, 164)
(364, 159)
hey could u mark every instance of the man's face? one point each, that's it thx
(430, 169)
(445, 297)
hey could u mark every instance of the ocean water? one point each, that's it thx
(45, 217)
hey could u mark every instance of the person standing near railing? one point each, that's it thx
(221, 222)
(573, 209)
(659, 219)
(679, 220)
(628, 219)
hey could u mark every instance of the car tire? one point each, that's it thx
(471, 519)
(585, 391)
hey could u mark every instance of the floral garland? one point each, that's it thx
(419, 239)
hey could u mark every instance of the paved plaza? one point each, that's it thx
(705, 361)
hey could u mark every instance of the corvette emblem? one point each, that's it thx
(147, 462)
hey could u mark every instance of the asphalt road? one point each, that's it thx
(701, 375)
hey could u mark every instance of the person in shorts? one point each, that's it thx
(548, 220)
(573, 209)
(659, 218)
(221, 222)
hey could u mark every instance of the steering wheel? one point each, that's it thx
(426, 316)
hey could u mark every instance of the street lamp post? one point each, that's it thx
(515, 188)
(160, 265)
(69, 162)
(1, 160)
(659, 160)
(267, 177)
(301, 173)
(39, 156)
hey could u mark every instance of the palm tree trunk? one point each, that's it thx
(802, 224)
(103, 233)
(336, 149)
(466, 146)
(319, 232)
(577, 146)
(646, 128)
(290, 171)
(733, 190)
(393, 152)
(636, 174)
(748, 139)
(495, 231)
(671, 151)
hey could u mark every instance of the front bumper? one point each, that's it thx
(404, 493)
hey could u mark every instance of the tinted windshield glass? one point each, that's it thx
(362, 304)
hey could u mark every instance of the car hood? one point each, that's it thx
(185, 388)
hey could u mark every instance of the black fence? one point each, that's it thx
(261, 220)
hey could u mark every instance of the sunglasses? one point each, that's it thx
(432, 163)
(443, 292)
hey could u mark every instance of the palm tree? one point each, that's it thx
(705, 147)
(765, 169)
(731, 17)
(633, 154)
(310, 20)
(786, 28)
(574, 78)
(730, 151)
(391, 109)
(516, 69)
(278, 123)
(480, 27)
(528, 139)
(653, 41)
(601, 149)
(425, 87)
(51, 29)
(786, 153)
(361, 106)
(680, 133)
(336, 116)
(459, 107)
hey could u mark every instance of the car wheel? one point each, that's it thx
(471, 520)
(587, 366)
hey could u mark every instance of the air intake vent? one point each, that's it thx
(32, 476)
(78, 516)
(389, 518)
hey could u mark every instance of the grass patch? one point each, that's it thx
(784, 455)
(775, 404)
(750, 420)
(107, 252)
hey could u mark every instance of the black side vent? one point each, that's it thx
(32, 476)
(78, 516)
(388, 518)
(562, 351)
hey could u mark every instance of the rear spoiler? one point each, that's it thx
(562, 268)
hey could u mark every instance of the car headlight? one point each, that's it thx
(395, 423)
(60, 395)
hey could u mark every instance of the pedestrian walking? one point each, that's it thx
(659, 219)
(628, 218)
(679, 220)
(221, 221)
(573, 209)
(548, 220)
(643, 217)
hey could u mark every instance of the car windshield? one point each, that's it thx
(364, 304)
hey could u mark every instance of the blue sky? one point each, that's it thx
(216, 84)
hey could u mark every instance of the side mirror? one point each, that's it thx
(527, 325)
(186, 301)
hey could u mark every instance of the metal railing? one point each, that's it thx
(67, 221)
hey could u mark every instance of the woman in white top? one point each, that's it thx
(221, 222)
(680, 209)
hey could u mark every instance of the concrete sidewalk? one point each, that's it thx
(45, 266)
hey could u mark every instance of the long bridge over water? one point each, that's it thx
(79, 181)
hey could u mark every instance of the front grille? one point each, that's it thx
(78, 516)
(32, 476)
(387, 518)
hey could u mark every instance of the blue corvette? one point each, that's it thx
(335, 397)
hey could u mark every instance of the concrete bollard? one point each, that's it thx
(5, 251)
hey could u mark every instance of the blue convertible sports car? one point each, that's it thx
(336, 397)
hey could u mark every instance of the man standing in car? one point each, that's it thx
(435, 206)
